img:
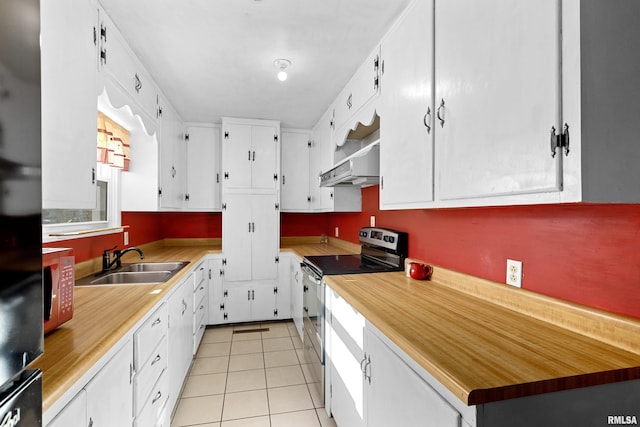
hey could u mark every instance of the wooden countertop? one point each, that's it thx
(104, 314)
(481, 351)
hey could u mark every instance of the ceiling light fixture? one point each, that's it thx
(281, 65)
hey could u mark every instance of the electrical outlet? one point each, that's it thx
(126, 238)
(514, 273)
(372, 221)
(337, 233)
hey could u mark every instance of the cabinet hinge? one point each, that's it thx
(159, 191)
(224, 261)
(225, 293)
(226, 175)
(275, 313)
(277, 259)
(560, 140)
(309, 143)
(275, 176)
(275, 138)
(186, 137)
(277, 206)
(275, 290)
(226, 135)
(221, 307)
(221, 272)
(186, 197)
(225, 316)
(224, 206)
(308, 199)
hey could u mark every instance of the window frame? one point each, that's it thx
(114, 213)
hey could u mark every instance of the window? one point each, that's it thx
(106, 214)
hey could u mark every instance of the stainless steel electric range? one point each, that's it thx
(382, 250)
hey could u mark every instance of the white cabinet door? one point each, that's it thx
(497, 97)
(296, 295)
(265, 237)
(236, 156)
(283, 295)
(203, 168)
(294, 188)
(265, 156)
(74, 414)
(320, 161)
(407, 129)
(110, 392)
(124, 76)
(253, 221)
(361, 88)
(263, 302)
(173, 155)
(215, 291)
(236, 244)
(396, 395)
(237, 303)
(69, 62)
(180, 337)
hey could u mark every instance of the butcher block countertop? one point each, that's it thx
(480, 350)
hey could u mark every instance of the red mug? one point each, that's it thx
(420, 271)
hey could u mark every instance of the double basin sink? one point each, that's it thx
(141, 273)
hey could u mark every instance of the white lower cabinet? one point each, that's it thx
(297, 294)
(74, 414)
(249, 302)
(216, 313)
(370, 385)
(200, 303)
(109, 393)
(395, 395)
(179, 337)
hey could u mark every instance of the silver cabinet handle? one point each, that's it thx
(440, 112)
(156, 322)
(427, 120)
(156, 397)
(156, 360)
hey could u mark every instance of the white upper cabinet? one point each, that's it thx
(250, 155)
(497, 97)
(69, 56)
(203, 168)
(505, 97)
(173, 159)
(124, 76)
(352, 105)
(407, 129)
(294, 189)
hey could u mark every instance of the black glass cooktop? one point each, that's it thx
(346, 264)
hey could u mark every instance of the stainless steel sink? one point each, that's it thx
(133, 278)
(141, 273)
(154, 266)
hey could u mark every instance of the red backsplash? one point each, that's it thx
(587, 254)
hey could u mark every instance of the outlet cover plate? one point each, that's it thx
(514, 273)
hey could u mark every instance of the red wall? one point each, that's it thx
(582, 253)
(587, 254)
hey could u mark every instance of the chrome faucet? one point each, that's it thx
(107, 262)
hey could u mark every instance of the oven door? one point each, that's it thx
(313, 324)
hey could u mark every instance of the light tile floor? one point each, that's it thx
(241, 378)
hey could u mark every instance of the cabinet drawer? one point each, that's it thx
(147, 337)
(147, 376)
(152, 413)
(199, 312)
(198, 295)
(351, 321)
(199, 277)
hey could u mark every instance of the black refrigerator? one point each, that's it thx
(21, 325)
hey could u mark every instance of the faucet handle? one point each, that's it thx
(106, 251)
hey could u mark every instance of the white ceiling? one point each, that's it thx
(214, 58)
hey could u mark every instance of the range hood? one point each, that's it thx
(361, 168)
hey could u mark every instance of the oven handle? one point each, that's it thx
(311, 274)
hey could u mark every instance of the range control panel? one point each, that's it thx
(382, 237)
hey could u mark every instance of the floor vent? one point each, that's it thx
(246, 331)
